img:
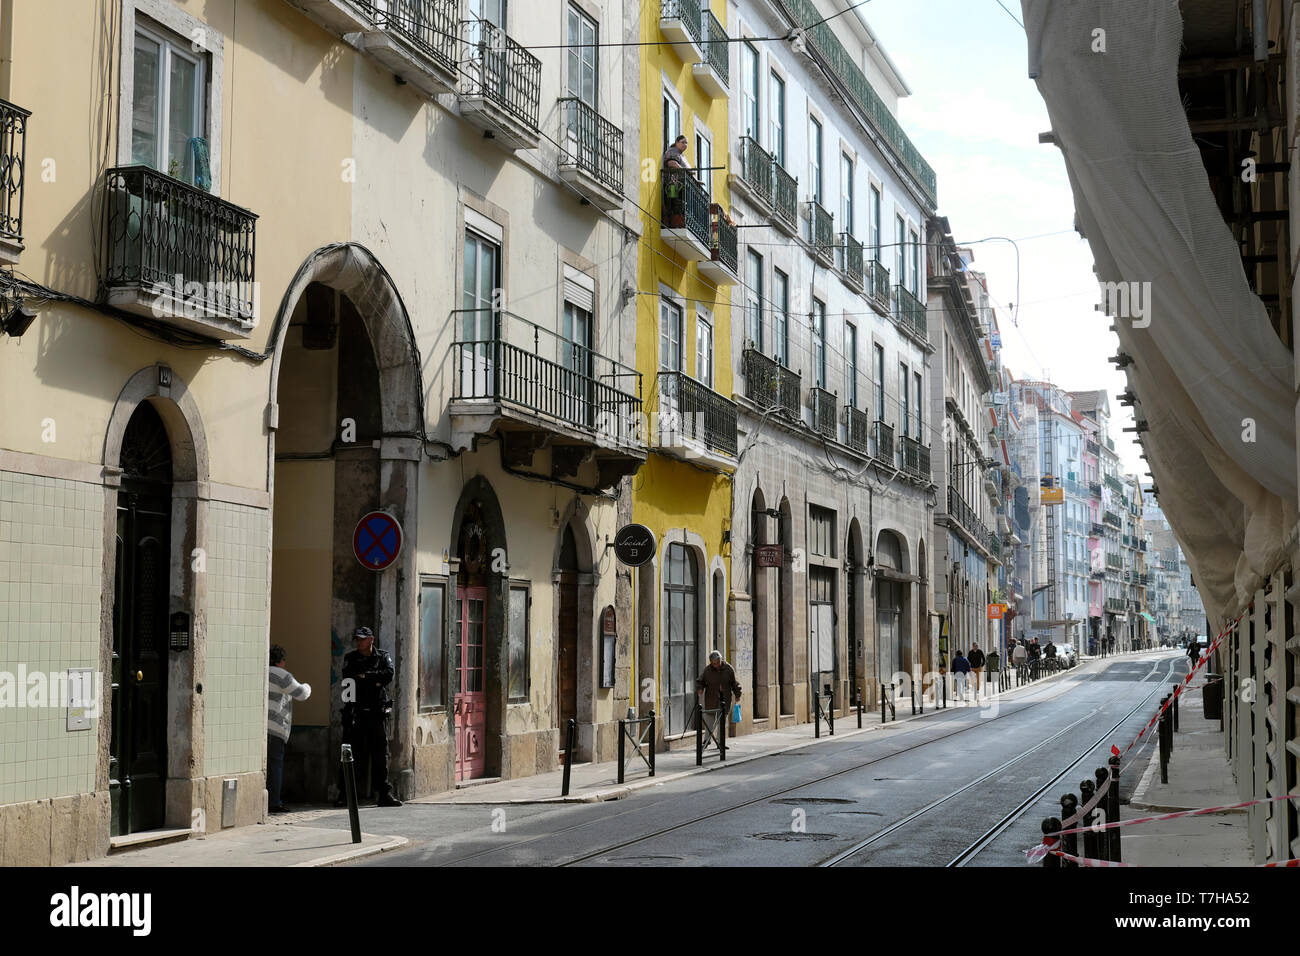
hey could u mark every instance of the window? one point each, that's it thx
(754, 299)
(703, 350)
(167, 112)
(780, 316)
(846, 192)
(433, 633)
(851, 364)
(670, 336)
(703, 160)
(776, 119)
(815, 159)
(749, 90)
(479, 318)
(916, 264)
(681, 651)
(919, 405)
(819, 343)
(672, 119)
(874, 213)
(880, 381)
(903, 392)
(518, 678)
(821, 531)
(900, 251)
(582, 63)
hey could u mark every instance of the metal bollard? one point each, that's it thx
(1162, 730)
(568, 755)
(699, 736)
(1112, 812)
(859, 693)
(1069, 842)
(723, 713)
(913, 698)
(1088, 789)
(622, 747)
(1175, 705)
(350, 788)
(830, 713)
(652, 743)
(1099, 776)
(882, 704)
(1052, 826)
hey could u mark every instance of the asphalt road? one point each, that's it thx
(913, 794)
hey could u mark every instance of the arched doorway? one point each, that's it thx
(680, 656)
(785, 613)
(892, 644)
(141, 597)
(854, 606)
(760, 606)
(923, 612)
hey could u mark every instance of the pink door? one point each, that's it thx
(470, 707)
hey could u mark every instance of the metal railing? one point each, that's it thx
(1115, 605)
(159, 231)
(966, 516)
(1114, 561)
(916, 458)
(497, 68)
(756, 168)
(769, 384)
(716, 47)
(821, 231)
(1111, 518)
(701, 413)
(13, 167)
(428, 25)
(1097, 530)
(851, 259)
(1092, 447)
(884, 441)
(908, 310)
(823, 411)
(685, 205)
(722, 243)
(1094, 489)
(592, 143)
(505, 357)
(785, 196)
(879, 284)
(859, 429)
(687, 11)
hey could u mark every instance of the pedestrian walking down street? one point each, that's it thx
(976, 658)
(1049, 652)
(1193, 652)
(367, 717)
(718, 683)
(960, 671)
(282, 690)
(1019, 656)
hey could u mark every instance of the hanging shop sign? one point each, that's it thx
(769, 555)
(634, 545)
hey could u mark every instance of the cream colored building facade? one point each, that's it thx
(402, 291)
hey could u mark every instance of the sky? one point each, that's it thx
(975, 116)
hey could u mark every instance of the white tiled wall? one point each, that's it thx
(235, 687)
(51, 540)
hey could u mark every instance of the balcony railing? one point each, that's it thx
(1114, 561)
(768, 384)
(592, 143)
(965, 516)
(884, 441)
(717, 52)
(1112, 519)
(722, 242)
(500, 71)
(504, 357)
(702, 414)
(911, 456)
(923, 465)
(428, 25)
(685, 205)
(1115, 484)
(879, 285)
(851, 260)
(785, 196)
(1092, 447)
(13, 167)
(908, 311)
(859, 429)
(823, 411)
(1115, 605)
(161, 232)
(755, 169)
(1096, 530)
(821, 232)
(1094, 489)
(688, 12)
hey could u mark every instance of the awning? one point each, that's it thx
(1147, 616)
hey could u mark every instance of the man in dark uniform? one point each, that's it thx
(367, 713)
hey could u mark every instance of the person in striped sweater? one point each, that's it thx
(282, 691)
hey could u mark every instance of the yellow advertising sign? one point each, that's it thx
(996, 611)
(1053, 496)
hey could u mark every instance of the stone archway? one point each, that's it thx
(760, 597)
(855, 606)
(575, 659)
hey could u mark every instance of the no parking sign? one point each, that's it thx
(377, 541)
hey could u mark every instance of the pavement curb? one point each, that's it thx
(347, 856)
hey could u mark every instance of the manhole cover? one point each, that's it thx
(792, 837)
(799, 802)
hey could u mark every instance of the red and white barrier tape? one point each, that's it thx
(1098, 827)
(1089, 861)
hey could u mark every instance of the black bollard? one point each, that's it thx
(913, 688)
(1069, 842)
(1112, 800)
(652, 743)
(1175, 705)
(723, 713)
(622, 746)
(1163, 731)
(1087, 789)
(882, 704)
(350, 788)
(699, 736)
(1052, 826)
(1100, 778)
(859, 692)
(830, 713)
(568, 755)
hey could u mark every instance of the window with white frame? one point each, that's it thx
(900, 251)
(915, 284)
(704, 159)
(780, 317)
(670, 335)
(819, 342)
(749, 90)
(851, 364)
(846, 193)
(672, 119)
(168, 89)
(874, 213)
(583, 72)
(814, 159)
(754, 298)
(704, 349)
(879, 370)
(903, 392)
(776, 118)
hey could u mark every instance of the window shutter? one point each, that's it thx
(579, 289)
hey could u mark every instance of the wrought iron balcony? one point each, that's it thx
(821, 232)
(753, 175)
(883, 436)
(592, 154)
(1096, 530)
(768, 384)
(535, 388)
(785, 199)
(823, 411)
(964, 516)
(712, 73)
(416, 39)
(878, 289)
(1115, 484)
(500, 86)
(916, 458)
(859, 429)
(1112, 519)
(178, 254)
(1092, 447)
(686, 225)
(13, 168)
(908, 311)
(681, 22)
(1114, 561)
(723, 264)
(1115, 605)
(850, 254)
(692, 414)
(1094, 489)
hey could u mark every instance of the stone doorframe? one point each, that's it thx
(578, 517)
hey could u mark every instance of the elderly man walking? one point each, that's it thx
(718, 684)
